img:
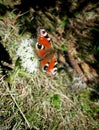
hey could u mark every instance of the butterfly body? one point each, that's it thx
(46, 53)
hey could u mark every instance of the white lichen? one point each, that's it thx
(78, 83)
(27, 55)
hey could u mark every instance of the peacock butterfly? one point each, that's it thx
(46, 52)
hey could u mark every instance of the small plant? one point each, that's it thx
(63, 47)
(55, 100)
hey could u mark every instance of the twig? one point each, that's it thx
(93, 90)
(19, 108)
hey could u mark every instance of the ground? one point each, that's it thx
(37, 101)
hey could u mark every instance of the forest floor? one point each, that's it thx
(37, 101)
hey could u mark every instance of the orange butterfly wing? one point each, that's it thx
(45, 46)
(46, 53)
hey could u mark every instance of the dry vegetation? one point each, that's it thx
(68, 101)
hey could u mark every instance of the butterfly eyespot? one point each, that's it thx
(39, 46)
(55, 66)
(54, 71)
(45, 67)
(43, 32)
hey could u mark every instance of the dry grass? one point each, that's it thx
(42, 102)
(37, 101)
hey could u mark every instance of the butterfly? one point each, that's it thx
(46, 52)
